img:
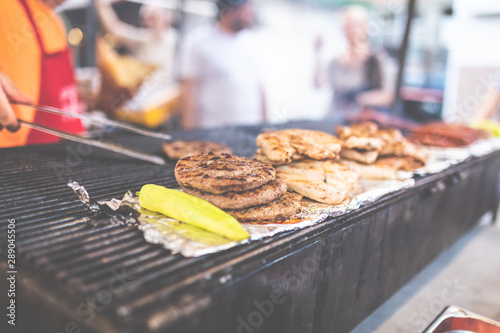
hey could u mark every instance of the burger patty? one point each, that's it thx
(239, 200)
(222, 173)
(179, 149)
(279, 209)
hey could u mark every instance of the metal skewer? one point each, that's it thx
(104, 121)
(101, 144)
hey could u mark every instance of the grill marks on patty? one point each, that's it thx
(178, 149)
(279, 209)
(247, 189)
(222, 173)
(239, 200)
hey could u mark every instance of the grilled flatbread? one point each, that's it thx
(282, 147)
(179, 149)
(279, 209)
(324, 181)
(239, 200)
(366, 157)
(222, 173)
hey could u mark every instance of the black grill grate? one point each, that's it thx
(55, 240)
(75, 260)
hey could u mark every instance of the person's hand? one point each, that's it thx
(9, 91)
(53, 3)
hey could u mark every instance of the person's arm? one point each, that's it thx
(490, 106)
(264, 107)
(384, 96)
(8, 91)
(124, 32)
(319, 75)
(378, 97)
(188, 104)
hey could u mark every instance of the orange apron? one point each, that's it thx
(57, 89)
(56, 85)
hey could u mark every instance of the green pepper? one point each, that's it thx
(191, 210)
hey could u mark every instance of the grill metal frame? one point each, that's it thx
(364, 256)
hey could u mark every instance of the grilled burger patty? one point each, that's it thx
(179, 149)
(222, 173)
(239, 200)
(279, 209)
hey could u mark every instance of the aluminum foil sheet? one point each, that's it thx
(179, 237)
(191, 241)
(314, 212)
(484, 147)
(440, 158)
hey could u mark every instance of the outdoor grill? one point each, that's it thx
(78, 276)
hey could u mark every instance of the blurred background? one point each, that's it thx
(451, 59)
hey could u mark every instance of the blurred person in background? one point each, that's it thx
(490, 109)
(219, 72)
(360, 76)
(35, 66)
(154, 43)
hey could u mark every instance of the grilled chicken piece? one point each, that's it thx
(366, 157)
(373, 171)
(276, 147)
(366, 129)
(324, 181)
(404, 148)
(399, 163)
(390, 135)
(282, 147)
(364, 143)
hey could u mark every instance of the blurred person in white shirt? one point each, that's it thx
(490, 108)
(220, 78)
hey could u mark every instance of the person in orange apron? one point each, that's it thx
(35, 66)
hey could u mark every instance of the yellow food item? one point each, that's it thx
(191, 210)
(491, 126)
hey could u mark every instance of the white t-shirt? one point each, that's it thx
(227, 85)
